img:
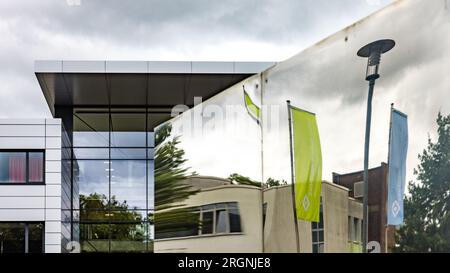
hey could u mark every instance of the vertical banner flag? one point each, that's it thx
(398, 148)
(252, 108)
(307, 165)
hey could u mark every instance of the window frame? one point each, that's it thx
(27, 166)
(26, 230)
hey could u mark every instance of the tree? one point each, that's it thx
(244, 180)
(427, 208)
(170, 188)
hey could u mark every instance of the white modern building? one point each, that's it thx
(232, 221)
(30, 186)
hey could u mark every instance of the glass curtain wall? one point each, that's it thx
(113, 179)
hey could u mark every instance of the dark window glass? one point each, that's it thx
(221, 221)
(94, 237)
(90, 128)
(207, 222)
(36, 167)
(12, 238)
(235, 220)
(315, 248)
(13, 167)
(315, 236)
(128, 130)
(35, 236)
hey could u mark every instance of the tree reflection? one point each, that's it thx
(170, 187)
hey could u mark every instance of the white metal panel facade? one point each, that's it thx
(33, 203)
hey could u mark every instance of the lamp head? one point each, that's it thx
(373, 52)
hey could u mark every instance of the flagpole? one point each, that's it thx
(297, 241)
(387, 186)
(260, 123)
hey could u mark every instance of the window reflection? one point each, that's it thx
(127, 153)
(90, 129)
(129, 238)
(128, 130)
(93, 183)
(111, 155)
(128, 183)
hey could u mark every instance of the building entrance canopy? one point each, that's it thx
(137, 83)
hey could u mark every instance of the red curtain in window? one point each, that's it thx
(36, 169)
(17, 169)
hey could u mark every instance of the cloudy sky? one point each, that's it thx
(232, 30)
(250, 30)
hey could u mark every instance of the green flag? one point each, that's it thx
(307, 164)
(252, 108)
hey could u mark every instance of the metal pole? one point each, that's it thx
(386, 226)
(262, 161)
(297, 240)
(366, 167)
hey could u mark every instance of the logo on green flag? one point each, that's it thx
(307, 165)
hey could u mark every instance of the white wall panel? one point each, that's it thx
(53, 226)
(53, 248)
(53, 178)
(22, 130)
(53, 166)
(53, 130)
(53, 142)
(22, 121)
(22, 190)
(15, 202)
(22, 214)
(53, 190)
(53, 214)
(53, 202)
(22, 142)
(53, 154)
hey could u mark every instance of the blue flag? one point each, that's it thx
(398, 149)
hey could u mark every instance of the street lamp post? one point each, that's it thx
(373, 52)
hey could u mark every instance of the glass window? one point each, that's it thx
(207, 222)
(90, 128)
(13, 237)
(128, 184)
(94, 237)
(128, 130)
(129, 237)
(91, 153)
(221, 221)
(93, 183)
(151, 184)
(36, 167)
(235, 218)
(35, 235)
(13, 167)
(124, 153)
(22, 167)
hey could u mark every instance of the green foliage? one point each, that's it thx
(427, 210)
(170, 187)
(243, 180)
(275, 183)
